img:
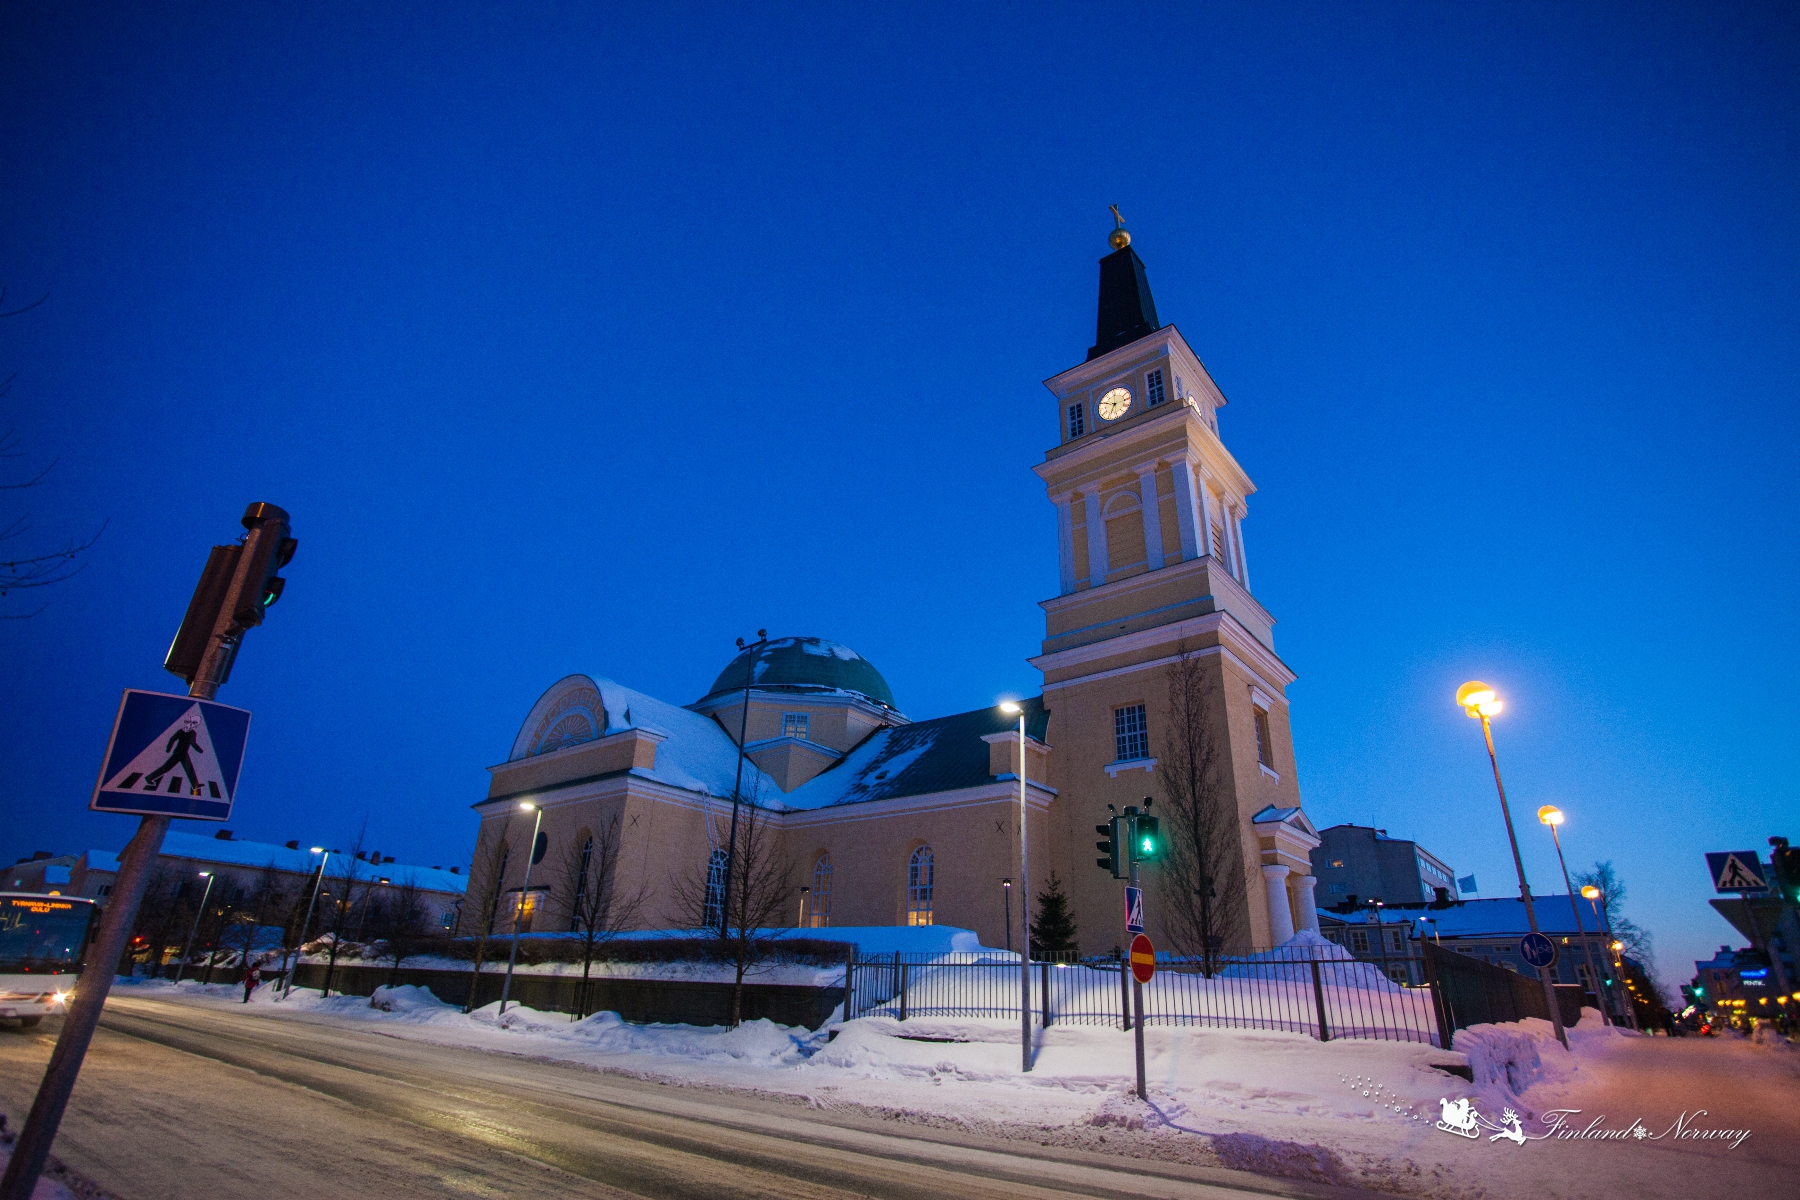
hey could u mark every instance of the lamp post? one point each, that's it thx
(192, 929)
(1380, 934)
(524, 896)
(1553, 816)
(300, 942)
(1480, 702)
(1604, 918)
(1012, 708)
(804, 891)
(1006, 899)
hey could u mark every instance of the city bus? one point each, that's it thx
(42, 939)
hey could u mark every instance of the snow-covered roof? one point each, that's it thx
(939, 755)
(256, 855)
(803, 664)
(1499, 917)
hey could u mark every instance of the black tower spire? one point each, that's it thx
(1127, 311)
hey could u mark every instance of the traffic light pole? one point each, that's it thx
(32, 1149)
(1137, 989)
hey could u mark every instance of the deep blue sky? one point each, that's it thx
(588, 340)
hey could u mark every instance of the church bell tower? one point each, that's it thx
(1150, 509)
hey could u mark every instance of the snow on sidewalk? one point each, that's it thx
(1347, 1111)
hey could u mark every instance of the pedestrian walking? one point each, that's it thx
(252, 977)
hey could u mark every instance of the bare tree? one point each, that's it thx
(164, 916)
(349, 884)
(762, 884)
(481, 903)
(1637, 940)
(405, 925)
(1203, 873)
(594, 907)
(266, 895)
(44, 568)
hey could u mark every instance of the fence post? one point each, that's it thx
(849, 984)
(1319, 999)
(1044, 986)
(903, 967)
(1124, 991)
(1440, 1004)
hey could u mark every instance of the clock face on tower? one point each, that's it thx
(1114, 404)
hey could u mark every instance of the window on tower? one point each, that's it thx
(1153, 387)
(1077, 420)
(1265, 748)
(1131, 735)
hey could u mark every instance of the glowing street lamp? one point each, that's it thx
(1553, 816)
(1481, 702)
(1013, 708)
(524, 898)
(189, 945)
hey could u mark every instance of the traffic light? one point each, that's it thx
(1784, 866)
(269, 548)
(1146, 839)
(1110, 856)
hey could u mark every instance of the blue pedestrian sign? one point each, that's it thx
(172, 756)
(1736, 871)
(1537, 950)
(1134, 910)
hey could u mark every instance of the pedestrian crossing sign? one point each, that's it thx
(1736, 871)
(172, 756)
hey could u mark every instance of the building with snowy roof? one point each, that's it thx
(1158, 667)
(235, 865)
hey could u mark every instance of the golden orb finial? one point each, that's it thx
(1118, 238)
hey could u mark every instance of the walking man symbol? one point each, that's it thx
(181, 743)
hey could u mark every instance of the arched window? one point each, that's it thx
(818, 914)
(918, 887)
(714, 909)
(578, 907)
(1124, 518)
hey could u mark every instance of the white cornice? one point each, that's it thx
(1240, 648)
(1038, 796)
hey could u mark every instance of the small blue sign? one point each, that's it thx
(1737, 871)
(1537, 950)
(172, 756)
(1134, 910)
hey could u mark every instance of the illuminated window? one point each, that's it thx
(1153, 387)
(918, 887)
(713, 910)
(527, 906)
(818, 914)
(795, 725)
(1131, 734)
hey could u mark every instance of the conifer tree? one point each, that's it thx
(1054, 930)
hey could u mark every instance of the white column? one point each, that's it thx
(1281, 917)
(1237, 526)
(1206, 516)
(1065, 540)
(1309, 909)
(1187, 515)
(1153, 544)
(1096, 539)
(1228, 514)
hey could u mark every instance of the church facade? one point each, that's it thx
(883, 820)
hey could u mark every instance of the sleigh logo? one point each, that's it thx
(1460, 1118)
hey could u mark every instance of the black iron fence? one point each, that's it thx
(1468, 991)
(1323, 997)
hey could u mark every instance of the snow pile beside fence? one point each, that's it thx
(1507, 1059)
(1292, 961)
(759, 1043)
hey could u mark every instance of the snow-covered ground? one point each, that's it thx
(1345, 1111)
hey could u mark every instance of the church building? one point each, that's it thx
(886, 820)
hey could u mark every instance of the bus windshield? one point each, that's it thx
(42, 933)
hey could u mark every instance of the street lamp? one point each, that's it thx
(1553, 816)
(1013, 708)
(287, 984)
(182, 965)
(1481, 703)
(524, 897)
(1006, 894)
(804, 892)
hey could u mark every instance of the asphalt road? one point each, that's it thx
(178, 1101)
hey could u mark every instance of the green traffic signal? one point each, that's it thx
(1147, 843)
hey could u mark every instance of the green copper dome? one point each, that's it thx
(803, 664)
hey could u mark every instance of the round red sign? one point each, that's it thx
(1143, 959)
